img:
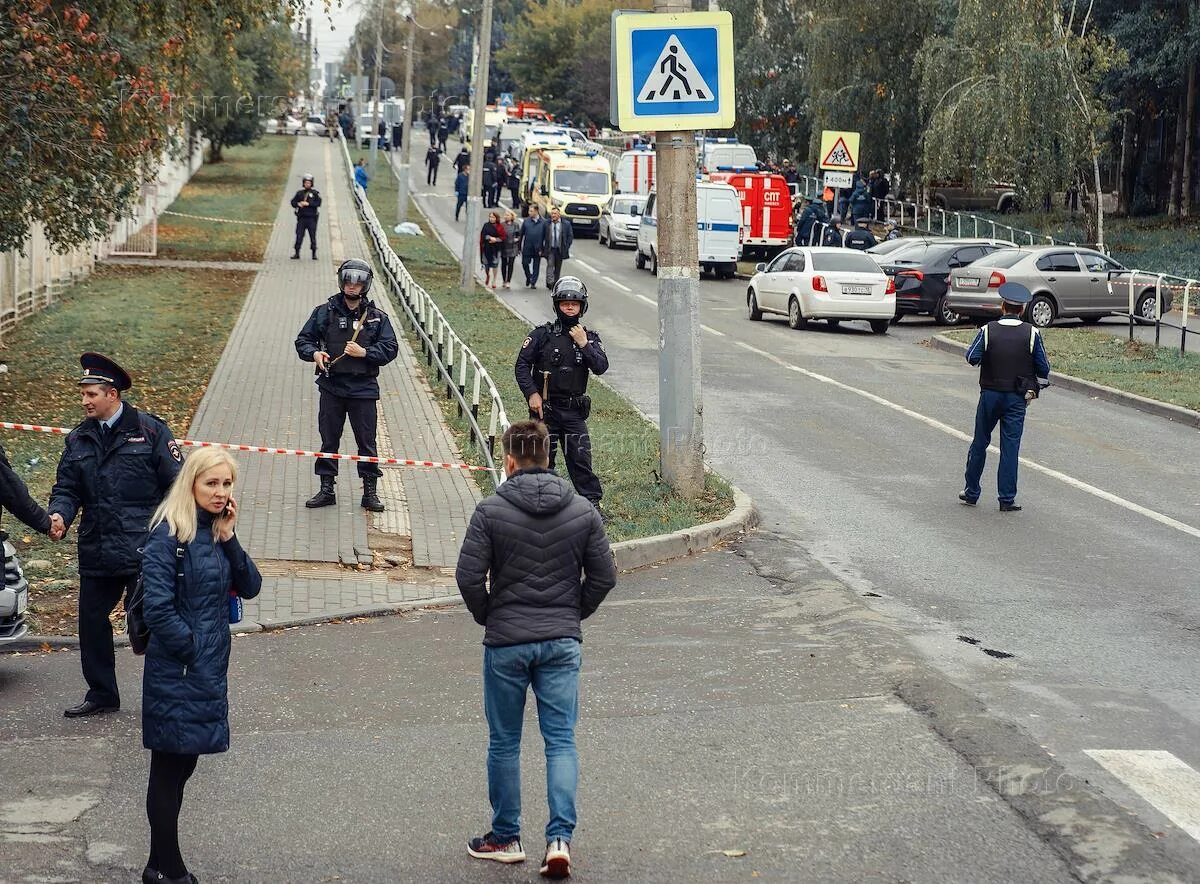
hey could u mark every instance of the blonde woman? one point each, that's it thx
(192, 563)
(508, 252)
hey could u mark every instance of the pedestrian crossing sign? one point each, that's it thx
(672, 72)
(839, 151)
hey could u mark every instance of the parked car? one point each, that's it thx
(315, 125)
(620, 220)
(1066, 281)
(822, 283)
(14, 597)
(892, 247)
(922, 275)
(288, 125)
(955, 196)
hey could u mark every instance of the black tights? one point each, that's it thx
(169, 773)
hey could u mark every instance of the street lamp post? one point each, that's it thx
(467, 279)
(406, 125)
(378, 80)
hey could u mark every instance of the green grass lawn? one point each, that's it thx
(1135, 367)
(145, 319)
(625, 444)
(245, 186)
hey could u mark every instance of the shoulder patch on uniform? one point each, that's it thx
(173, 447)
(528, 341)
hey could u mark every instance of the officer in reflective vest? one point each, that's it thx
(552, 371)
(1011, 359)
(348, 338)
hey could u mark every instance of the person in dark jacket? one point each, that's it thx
(491, 245)
(556, 245)
(443, 132)
(15, 497)
(859, 205)
(193, 562)
(433, 159)
(860, 237)
(880, 187)
(813, 213)
(115, 467)
(463, 160)
(348, 338)
(489, 184)
(306, 202)
(833, 234)
(532, 235)
(519, 573)
(1011, 357)
(462, 188)
(499, 180)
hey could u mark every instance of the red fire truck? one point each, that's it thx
(766, 207)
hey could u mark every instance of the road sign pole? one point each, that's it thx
(406, 126)
(474, 202)
(680, 406)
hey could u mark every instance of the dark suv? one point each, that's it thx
(922, 275)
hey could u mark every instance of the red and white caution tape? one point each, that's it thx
(221, 220)
(295, 452)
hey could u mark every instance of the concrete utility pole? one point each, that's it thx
(474, 201)
(406, 130)
(680, 406)
(378, 81)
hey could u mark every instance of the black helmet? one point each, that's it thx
(570, 288)
(355, 270)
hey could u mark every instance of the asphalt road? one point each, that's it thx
(1076, 619)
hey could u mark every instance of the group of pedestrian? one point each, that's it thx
(534, 238)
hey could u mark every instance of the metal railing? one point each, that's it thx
(1164, 284)
(441, 345)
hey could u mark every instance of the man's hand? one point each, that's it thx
(356, 349)
(58, 527)
(535, 404)
(321, 358)
(579, 335)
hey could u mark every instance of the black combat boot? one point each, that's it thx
(370, 498)
(314, 253)
(296, 255)
(324, 497)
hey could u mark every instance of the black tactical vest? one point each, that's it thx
(339, 329)
(1008, 355)
(560, 357)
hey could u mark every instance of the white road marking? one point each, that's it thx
(618, 285)
(1165, 781)
(653, 303)
(713, 331)
(585, 265)
(965, 437)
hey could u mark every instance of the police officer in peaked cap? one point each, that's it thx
(116, 468)
(552, 372)
(306, 202)
(348, 338)
(1011, 360)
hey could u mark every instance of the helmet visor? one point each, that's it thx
(352, 275)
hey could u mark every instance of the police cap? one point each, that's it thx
(353, 270)
(99, 369)
(1015, 293)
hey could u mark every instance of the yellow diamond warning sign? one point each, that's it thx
(839, 151)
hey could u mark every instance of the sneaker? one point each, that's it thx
(557, 863)
(488, 847)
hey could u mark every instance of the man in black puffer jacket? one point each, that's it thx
(532, 538)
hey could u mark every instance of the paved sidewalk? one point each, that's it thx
(262, 394)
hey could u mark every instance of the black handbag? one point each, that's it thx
(135, 615)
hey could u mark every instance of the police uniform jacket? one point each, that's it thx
(314, 203)
(860, 239)
(185, 702)
(550, 348)
(117, 483)
(1008, 350)
(15, 497)
(330, 328)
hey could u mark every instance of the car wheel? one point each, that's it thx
(639, 260)
(1040, 311)
(654, 262)
(943, 315)
(880, 326)
(1144, 311)
(752, 310)
(896, 319)
(834, 323)
(608, 240)
(796, 318)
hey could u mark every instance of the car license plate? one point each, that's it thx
(856, 290)
(968, 282)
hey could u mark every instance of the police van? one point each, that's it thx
(766, 208)
(718, 230)
(635, 170)
(715, 152)
(577, 183)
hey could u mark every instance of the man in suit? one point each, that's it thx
(556, 246)
(532, 235)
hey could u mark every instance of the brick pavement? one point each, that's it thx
(260, 393)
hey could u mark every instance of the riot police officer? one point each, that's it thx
(348, 338)
(116, 466)
(306, 202)
(552, 371)
(1011, 359)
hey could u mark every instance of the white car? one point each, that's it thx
(289, 125)
(14, 597)
(315, 125)
(822, 283)
(620, 220)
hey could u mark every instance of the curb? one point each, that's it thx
(1174, 413)
(632, 554)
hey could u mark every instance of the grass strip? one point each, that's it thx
(1135, 367)
(245, 186)
(625, 445)
(166, 327)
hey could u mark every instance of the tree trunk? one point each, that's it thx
(214, 151)
(1174, 193)
(1185, 205)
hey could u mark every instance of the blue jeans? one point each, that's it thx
(1008, 410)
(552, 667)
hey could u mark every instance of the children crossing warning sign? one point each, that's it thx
(839, 151)
(674, 77)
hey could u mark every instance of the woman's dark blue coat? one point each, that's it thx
(185, 687)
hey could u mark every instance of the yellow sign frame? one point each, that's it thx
(829, 140)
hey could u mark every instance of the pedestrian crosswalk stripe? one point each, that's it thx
(1166, 782)
(674, 77)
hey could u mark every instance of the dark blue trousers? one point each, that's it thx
(303, 226)
(1007, 410)
(569, 431)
